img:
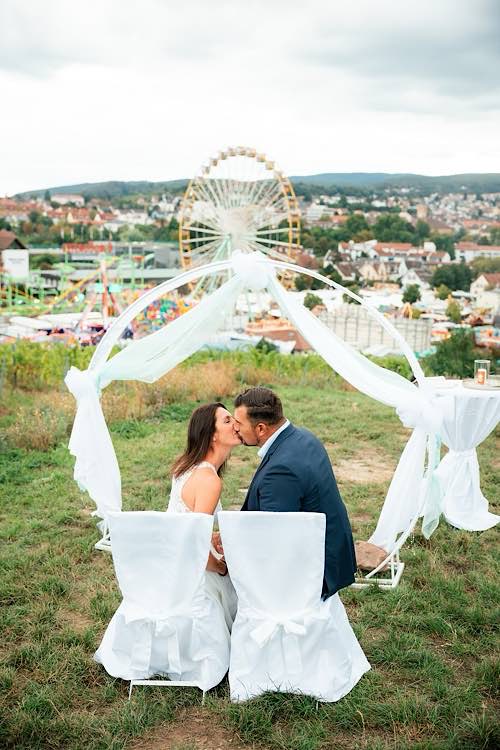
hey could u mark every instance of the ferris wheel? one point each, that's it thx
(239, 201)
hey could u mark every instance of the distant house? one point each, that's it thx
(315, 212)
(490, 301)
(329, 258)
(438, 257)
(384, 270)
(9, 241)
(421, 277)
(439, 227)
(307, 260)
(369, 271)
(467, 251)
(358, 249)
(62, 199)
(483, 282)
(346, 271)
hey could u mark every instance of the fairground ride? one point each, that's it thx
(239, 201)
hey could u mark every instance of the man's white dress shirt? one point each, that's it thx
(270, 440)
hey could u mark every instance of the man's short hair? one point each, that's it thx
(262, 405)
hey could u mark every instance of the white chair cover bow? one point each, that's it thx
(165, 624)
(284, 636)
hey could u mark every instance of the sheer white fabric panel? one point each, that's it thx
(166, 624)
(285, 638)
(404, 497)
(96, 467)
(369, 378)
(151, 357)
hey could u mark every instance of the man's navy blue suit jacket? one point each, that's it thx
(296, 475)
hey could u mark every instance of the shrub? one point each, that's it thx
(122, 401)
(40, 429)
(411, 293)
(34, 366)
(395, 363)
(455, 356)
(442, 292)
(454, 312)
(311, 300)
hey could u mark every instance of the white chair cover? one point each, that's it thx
(165, 625)
(285, 638)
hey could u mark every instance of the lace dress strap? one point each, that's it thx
(206, 465)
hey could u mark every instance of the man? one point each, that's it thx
(295, 474)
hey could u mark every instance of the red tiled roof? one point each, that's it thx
(393, 245)
(9, 239)
(474, 247)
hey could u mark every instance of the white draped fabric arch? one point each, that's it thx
(413, 491)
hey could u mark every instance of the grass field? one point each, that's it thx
(432, 643)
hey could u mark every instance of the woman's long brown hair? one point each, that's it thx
(201, 430)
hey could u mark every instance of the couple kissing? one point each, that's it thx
(295, 474)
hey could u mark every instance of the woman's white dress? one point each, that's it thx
(218, 587)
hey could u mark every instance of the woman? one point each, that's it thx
(197, 486)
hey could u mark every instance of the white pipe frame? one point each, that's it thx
(113, 333)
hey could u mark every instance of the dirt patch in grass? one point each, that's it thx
(361, 517)
(194, 728)
(367, 467)
(74, 619)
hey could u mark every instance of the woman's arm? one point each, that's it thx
(207, 488)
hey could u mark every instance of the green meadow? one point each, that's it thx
(432, 643)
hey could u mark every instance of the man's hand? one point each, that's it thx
(217, 543)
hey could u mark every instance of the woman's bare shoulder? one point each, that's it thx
(207, 476)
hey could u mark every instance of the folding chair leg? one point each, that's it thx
(130, 689)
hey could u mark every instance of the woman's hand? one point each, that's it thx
(222, 567)
(216, 566)
(216, 543)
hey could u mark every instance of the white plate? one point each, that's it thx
(479, 387)
(439, 383)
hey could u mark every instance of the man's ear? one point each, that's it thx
(260, 429)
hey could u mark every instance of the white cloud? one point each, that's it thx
(149, 90)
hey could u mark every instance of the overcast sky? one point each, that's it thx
(150, 89)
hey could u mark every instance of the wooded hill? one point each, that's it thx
(354, 182)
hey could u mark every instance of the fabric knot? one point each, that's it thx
(288, 630)
(422, 412)
(263, 633)
(458, 454)
(81, 383)
(153, 628)
(253, 268)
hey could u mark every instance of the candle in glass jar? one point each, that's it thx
(481, 371)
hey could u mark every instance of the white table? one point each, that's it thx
(469, 416)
